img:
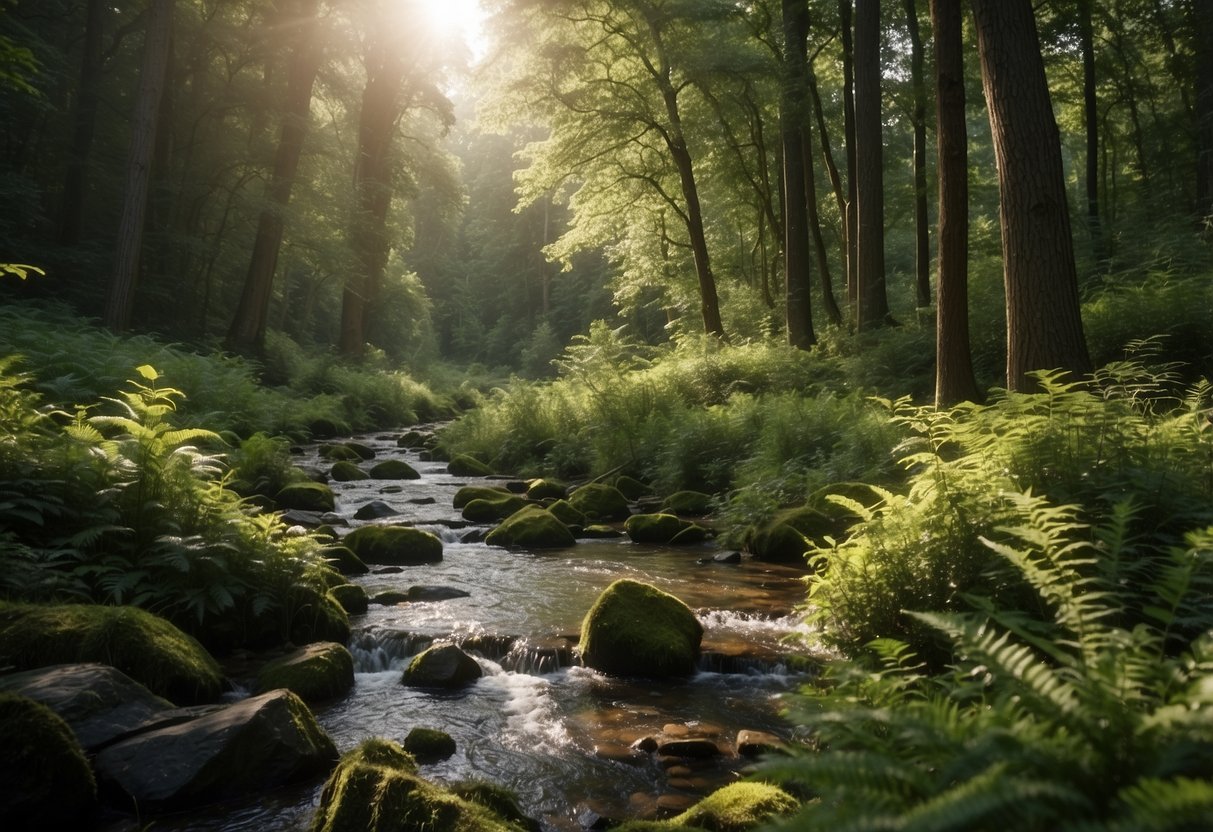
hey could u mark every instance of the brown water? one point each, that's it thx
(557, 734)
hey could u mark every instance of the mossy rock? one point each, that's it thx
(315, 673)
(306, 496)
(343, 559)
(351, 597)
(497, 799)
(598, 531)
(490, 510)
(324, 427)
(543, 489)
(463, 465)
(144, 646)
(412, 440)
(339, 452)
(347, 472)
(394, 469)
(441, 666)
(654, 528)
(478, 492)
(563, 511)
(790, 533)
(45, 780)
(316, 616)
(688, 504)
(394, 545)
(600, 503)
(375, 788)
(364, 452)
(738, 807)
(635, 629)
(631, 487)
(531, 528)
(429, 745)
(692, 534)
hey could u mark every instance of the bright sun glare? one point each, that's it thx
(464, 18)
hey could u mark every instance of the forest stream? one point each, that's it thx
(558, 735)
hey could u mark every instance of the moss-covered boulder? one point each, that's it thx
(394, 469)
(352, 598)
(394, 545)
(316, 615)
(343, 559)
(45, 781)
(600, 503)
(790, 533)
(375, 788)
(497, 799)
(478, 492)
(490, 510)
(654, 528)
(599, 531)
(693, 533)
(688, 504)
(429, 745)
(544, 489)
(143, 646)
(441, 666)
(531, 528)
(738, 807)
(631, 487)
(339, 452)
(306, 496)
(635, 629)
(315, 673)
(344, 471)
(563, 511)
(463, 465)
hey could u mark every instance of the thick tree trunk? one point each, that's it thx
(792, 118)
(871, 298)
(1202, 13)
(922, 234)
(84, 121)
(954, 381)
(248, 327)
(1044, 325)
(851, 217)
(120, 295)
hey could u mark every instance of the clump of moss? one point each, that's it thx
(738, 807)
(317, 616)
(600, 502)
(394, 545)
(477, 492)
(429, 745)
(144, 646)
(375, 788)
(466, 465)
(351, 597)
(482, 510)
(45, 781)
(315, 673)
(635, 629)
(306, 496)
(394, 469)
(531, 528)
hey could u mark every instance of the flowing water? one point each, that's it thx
(560, 736)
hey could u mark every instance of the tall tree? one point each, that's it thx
(918, 118)
(1202, 13)
(1090, 117)
(846, 29)
(84, 121)
(1044, 324)
(300, 23)
(954, 381)
(793, 116)
(871, 299)
(120, 295)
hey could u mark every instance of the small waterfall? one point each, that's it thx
(375, 651)
(447, 533)
(538, 659)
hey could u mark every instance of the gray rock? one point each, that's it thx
(374, 510)
(435, 593)
(697, 747)
(444, 666)
(755, 743)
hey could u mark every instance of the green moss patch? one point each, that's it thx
(542, 489)
(45, 781)
(394, 545)
(688, 503)
(477, 492)
(351, 597)
(792, 532)
(600, 503)
(306, 496)
(463, 465)
(316, 673)
(344, 471)
(738, 807)
(143, 646)
(563, 511)
(490, 510)
(429, 745)
(635, 629)
(531, 528)
(654, 528)
(394, 469)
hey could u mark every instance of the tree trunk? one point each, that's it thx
(1202, 13)
(84, 121)
(120, 295)
(871, 298)
(850, 217)
(922, 235)
(792, 118)
(248, 327)
(954, 381)
(833, 313)
(1044, 325)
(827, 155)
(1090, 110)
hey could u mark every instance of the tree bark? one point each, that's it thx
(1090, 111)
(918, 117)
(1044, 324)
(792, 118)
(1202, 13)
(120, 295)
(872, 300)
(954, 381)
(84, 121)
(850, 217)
(248, 327)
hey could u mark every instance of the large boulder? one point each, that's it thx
(45, 781)
(375, 510)
(600, 503)
(394, 545)
(376, 789)
(663, 529)
(394, 469)
(635, 629)
(306, 496)
(316, 673)
(563, 511)
(531, 528)
(490, 510)
(316, 616)
(351, 597)
(463, 465)
(100, 703)
(144, 646)
(543, 489)
(441, 666)
(343, 559)
(478, 492)
(339, 452)
(244, 748)
(345, 471)
(738, 807)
